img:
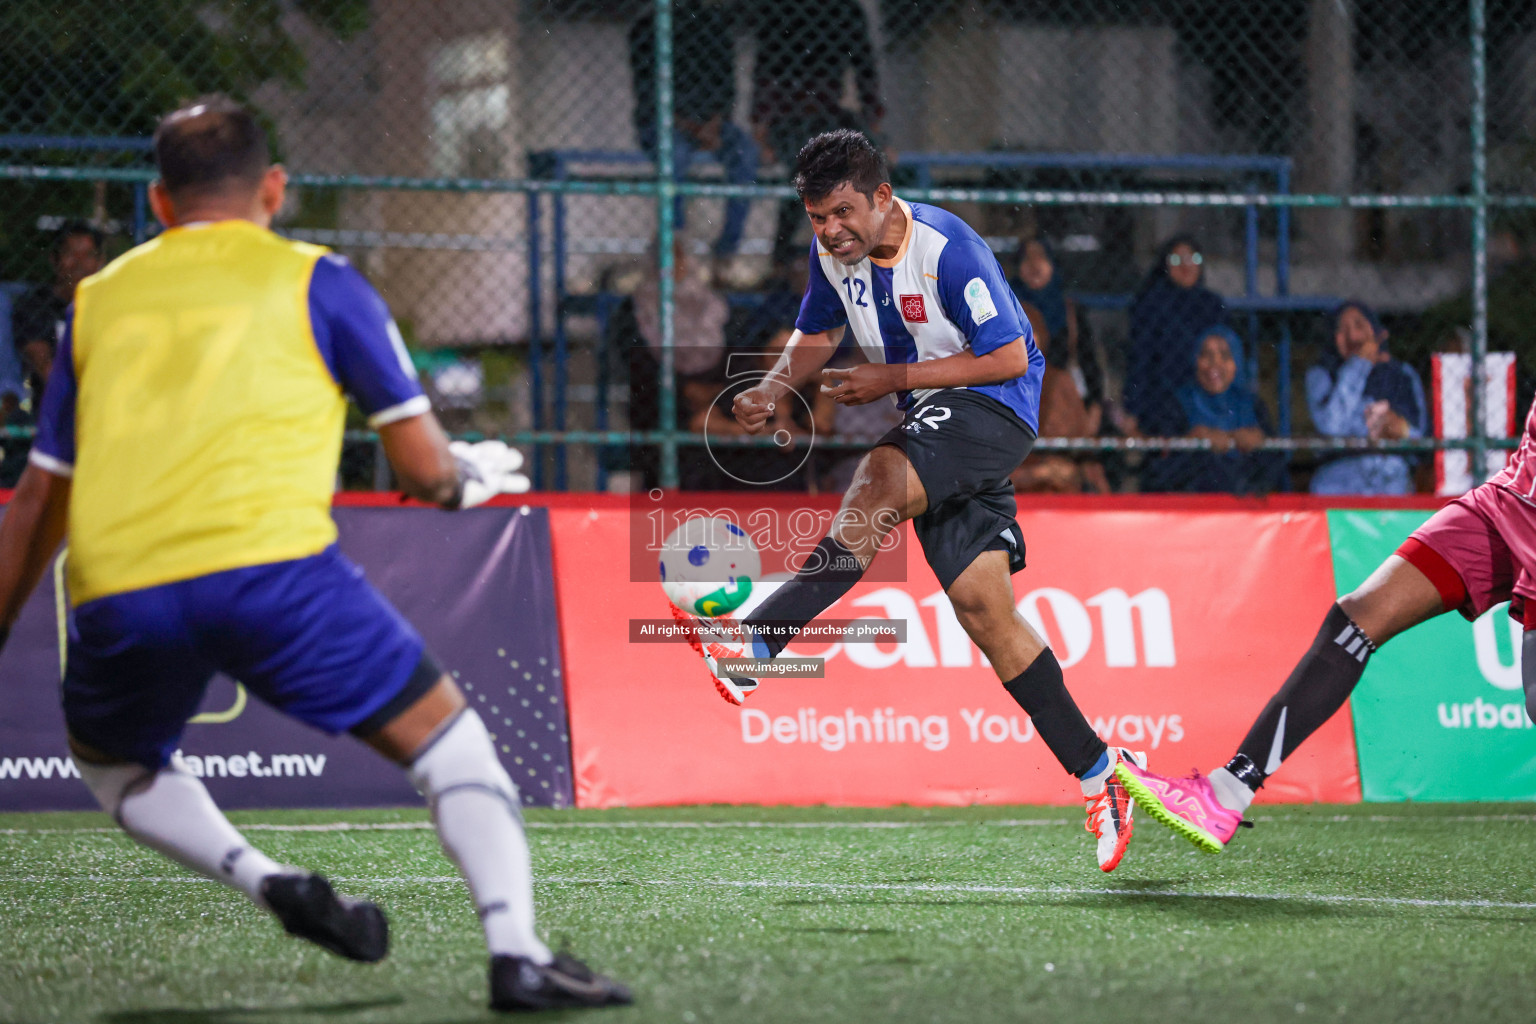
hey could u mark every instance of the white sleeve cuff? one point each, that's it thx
(404, 411)
(58, 467)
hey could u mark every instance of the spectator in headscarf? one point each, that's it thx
(1221, 408)
(1170, 310)
(1038, 284)
(1358, 390)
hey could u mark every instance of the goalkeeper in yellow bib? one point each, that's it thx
(188, 446)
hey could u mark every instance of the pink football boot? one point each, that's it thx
(1188, 805)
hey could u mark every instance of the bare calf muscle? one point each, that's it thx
(983, 601)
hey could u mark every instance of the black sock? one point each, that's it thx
(1042, 693)
(1318, 686)
(830, 572)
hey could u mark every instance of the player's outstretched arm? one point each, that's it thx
(453, 474)
(859, 385)
(801, 360)
(417, 450)
(30, 532)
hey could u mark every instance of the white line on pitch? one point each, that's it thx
(411, 826)
(395, 826)
(918, 887)
(1012, 890)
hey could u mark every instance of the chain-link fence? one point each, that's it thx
(1182, 191)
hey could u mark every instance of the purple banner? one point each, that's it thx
(479, 585)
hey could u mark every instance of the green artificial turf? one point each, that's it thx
(753, 914)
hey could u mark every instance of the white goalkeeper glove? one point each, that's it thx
(486, 469)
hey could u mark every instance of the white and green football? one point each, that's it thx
(708, 565)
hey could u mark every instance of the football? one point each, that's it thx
(708, 565)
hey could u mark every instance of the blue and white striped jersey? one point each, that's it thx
(944, 290)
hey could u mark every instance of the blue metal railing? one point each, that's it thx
(550, 410)
(560, 164)
(97, 144)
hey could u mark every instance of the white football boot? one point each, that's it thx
(1109, 810)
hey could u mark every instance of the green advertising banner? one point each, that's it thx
(1440, 714)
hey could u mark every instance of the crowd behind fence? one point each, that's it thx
(577, 212)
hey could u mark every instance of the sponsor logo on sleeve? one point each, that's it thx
(980, 300)
(913, 310)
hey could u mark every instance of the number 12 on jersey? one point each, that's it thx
(851, 283)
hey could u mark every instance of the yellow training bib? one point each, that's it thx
(208, 427)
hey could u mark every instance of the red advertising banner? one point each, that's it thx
(1174, 628)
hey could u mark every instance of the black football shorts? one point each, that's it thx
(963, 445)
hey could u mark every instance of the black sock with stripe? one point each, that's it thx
(1318, 686)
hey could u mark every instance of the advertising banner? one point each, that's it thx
(1174, 628)
(477, 585)
(1440, 713)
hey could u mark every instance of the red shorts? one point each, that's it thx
(1488, 538)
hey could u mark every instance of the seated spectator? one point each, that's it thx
(37, 316)
(1038, 284)
(1358, 390)
(1219, 407)
(698, 330)
(796, 423)
(698, 318)
(1062, 414)
(1170, 309)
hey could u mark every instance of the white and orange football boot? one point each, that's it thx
(1109, 811)
(716, 639)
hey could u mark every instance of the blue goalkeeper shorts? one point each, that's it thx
(310, 637)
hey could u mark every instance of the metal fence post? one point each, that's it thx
(666, 194)
(1479, 234)
(535, 337)
(1283, 289)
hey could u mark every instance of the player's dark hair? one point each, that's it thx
(69, 229)
(838, 157)
(209, 145)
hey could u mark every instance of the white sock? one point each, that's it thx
(474, 804)
(170, 811)
(1230, 791)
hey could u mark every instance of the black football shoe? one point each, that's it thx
(308, 907)
(518, 983)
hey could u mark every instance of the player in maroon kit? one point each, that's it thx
(1475, 552)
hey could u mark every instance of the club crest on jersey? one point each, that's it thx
(912, 309)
